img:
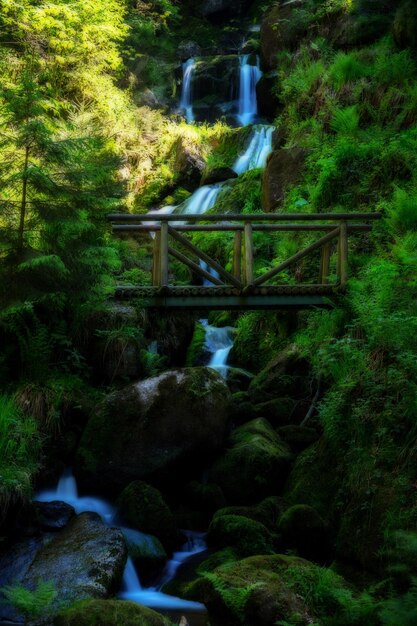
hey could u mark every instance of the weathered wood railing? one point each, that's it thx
(240, 288)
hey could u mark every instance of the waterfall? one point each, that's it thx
(201, 201)
(259, 147)
(249, 76)
(186, 97)
(218, 342)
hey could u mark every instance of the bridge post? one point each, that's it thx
(163, 274)
(324, 264)
(156, 264)
(237, 256)
(248, 254)
(343, 254)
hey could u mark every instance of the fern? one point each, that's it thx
(345, 121)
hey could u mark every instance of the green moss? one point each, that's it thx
(196, 346)
(109, 613)
(143, 508)
(245, 535)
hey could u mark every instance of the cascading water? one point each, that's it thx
(249, 77)
(186, 103)
(201, 201)
(259, 147)
(66, 491)
(218, 342)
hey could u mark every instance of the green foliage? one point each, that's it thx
(31, 604)
(345, 121)
(346, 68)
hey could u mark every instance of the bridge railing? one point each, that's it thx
(169, 229)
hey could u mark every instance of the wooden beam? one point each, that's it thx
(228, 227)
(296, 257)
(156, 266)
(227, 276)
(324, 264)
(237, 256)
(163, 275)
(194, 267)
(343, 252)
(236, 217)
(248, 255)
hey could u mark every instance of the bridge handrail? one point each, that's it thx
(252, 217)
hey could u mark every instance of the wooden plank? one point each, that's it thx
(224, 227)
(296, 257)
(163, 275)
(248, 254)
(236, 217)
(227, 276)
(237, 256)
(324, 264)
(194, 267)
(343, 252)
(156, 266)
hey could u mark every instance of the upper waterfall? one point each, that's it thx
(186, 103)
(249, 77)
(257, 151)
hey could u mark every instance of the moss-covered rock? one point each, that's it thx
(218, 175)
(189, 164)
(286, 375)
(268, 512)
(304, 530)
(283, 169)
(207, 497)
(266, 590)
(405, 25)
(280, 30)
(147, 552)
(163, 425)
(266, 92)
(298, 437)
(242, 409)
(143, 508)
(245, 535)
(109, 613)
(196, 354)
(279, 411)
(254, 466)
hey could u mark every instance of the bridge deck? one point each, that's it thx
(220, 298)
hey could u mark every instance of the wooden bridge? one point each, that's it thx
(240, 288)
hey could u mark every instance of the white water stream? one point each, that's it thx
(67, 491)
(257, 151)
(186, 97)
(248, 103)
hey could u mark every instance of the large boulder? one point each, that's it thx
(147, 553)
(271, 589)
(283, 169)
(109, 613)
(267, 96)
(215, 86)
(280, 31)
(161, 426)
(254, 466)
(218, 175)
(143, 507)
(85, 559)
(304, 530)
(245, 535)
(268, 512)
(188, 164)
(188, 49)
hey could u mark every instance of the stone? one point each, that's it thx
(228, 8)
(298, 437)
(218, 175)
(147, 553)
(304, 530)
(54, 515)
(280, 31)
(109, 613)
(266, 92)
(215, 86)
(245, 535)
(254, 466)
(279, 411)
(405, 25)
(160, 426)
(268, 512)
(143, 508)
(188, 165)
(188, 49)
(283, 169)
(148, 98)
(286, 374)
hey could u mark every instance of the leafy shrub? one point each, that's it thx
(346, 68)
(345, 121)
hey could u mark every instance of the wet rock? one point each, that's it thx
(172, 333)
(279, 411)
(245, 535)
(215, 86)
(286, 374)
(163, 425)
(280, 31)
(218, 175)
(109, 613)
(283, 169)
(304, 530)
(268, 100)
(54, 515)
(268, 512)
(147, 552)
(189, 164)
(254, 466)
(242, 408)
(143, 507)
(86, 559)
(238, 379)
(188, 49)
